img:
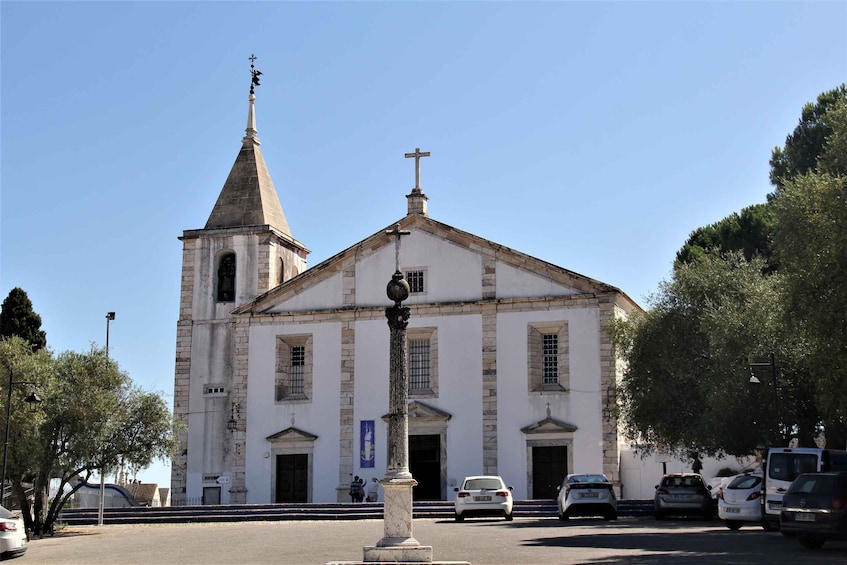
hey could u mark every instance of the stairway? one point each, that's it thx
(313, 511)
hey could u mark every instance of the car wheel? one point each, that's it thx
(610, 516)
(770, 526)
(509, 517)
(563, 516)
(460, 518)
(812, 542)
(733, 524)
(659, 516)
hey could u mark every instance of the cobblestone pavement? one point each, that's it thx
(482, 542)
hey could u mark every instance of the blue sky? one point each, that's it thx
(595, 136)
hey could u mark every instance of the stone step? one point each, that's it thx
(311, 511)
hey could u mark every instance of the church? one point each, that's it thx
(282, 370)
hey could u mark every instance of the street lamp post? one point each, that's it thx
(755, 380)
(109, 317)
(32, 400)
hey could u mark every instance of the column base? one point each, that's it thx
(399, 554)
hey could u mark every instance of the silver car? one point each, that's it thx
(683, 493)
(587, 495)
(12, 535)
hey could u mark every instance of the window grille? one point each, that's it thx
(419, 369)
(297, 369)
(416, 281)
(550, 354)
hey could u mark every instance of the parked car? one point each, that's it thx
(483, 496)
(12, 535)
(784, 464)
(815, 508)
(683, 493)
(740, 500)
(587, 495)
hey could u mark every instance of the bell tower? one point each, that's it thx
(245, 249)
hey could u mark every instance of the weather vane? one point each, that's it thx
(254, 74)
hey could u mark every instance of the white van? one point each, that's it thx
(782, 467)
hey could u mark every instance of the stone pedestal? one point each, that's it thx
(398, 545)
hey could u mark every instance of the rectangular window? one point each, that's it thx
(419, 366)
(548, 357)
(416, 280)
(297, 368)
(422, 361)
(293, 380)
(550, 352)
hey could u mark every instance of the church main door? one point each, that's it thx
(292, 478)
(425, 466)
(549, 469)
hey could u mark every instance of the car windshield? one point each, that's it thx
(786, 466)
(483, 484)
(587, 479)
(5, 514)
(745, 482)
(814, 484)
(692, 481)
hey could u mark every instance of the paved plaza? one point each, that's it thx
(482, 542)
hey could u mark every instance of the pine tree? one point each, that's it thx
(18, 318)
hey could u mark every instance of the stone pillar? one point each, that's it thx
(397, 544)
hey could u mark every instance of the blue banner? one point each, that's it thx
(366, 444)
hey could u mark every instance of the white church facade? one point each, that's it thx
(282, 370)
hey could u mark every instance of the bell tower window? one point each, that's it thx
(226, 278)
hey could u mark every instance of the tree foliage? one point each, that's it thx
(770, 280)
(92, 417)
(748, 232)
(17, 318)
(807, 143)
(810, 233)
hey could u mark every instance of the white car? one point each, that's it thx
(12, 535)
(587, 495)
(483, 496)
(740, 500)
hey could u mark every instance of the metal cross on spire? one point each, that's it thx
(417, 156)
(397, 232)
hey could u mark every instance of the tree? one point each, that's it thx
(687, 359)
(810, 235)
(18, 318)
(748, 232)
(103, 419)
(804, 146)
(91, 418)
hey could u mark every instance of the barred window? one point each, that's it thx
(548, 357)
(293, 379)
(550, 352)
(416, 280)
(419, 366)
(297, 369)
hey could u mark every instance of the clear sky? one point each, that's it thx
(593, 135)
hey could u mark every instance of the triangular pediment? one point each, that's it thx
(537, 274)
(421, 412)
(292, 434)
(549, 426)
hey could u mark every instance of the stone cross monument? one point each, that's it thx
(397, 544)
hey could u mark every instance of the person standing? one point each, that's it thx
(356, 489)
(373, 490)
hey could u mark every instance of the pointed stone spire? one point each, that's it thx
(248, 197)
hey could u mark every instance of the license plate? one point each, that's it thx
(482, 499)
(775, 505)
(805, 517)
(681, 496)
(590, 495)
(732, 510)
